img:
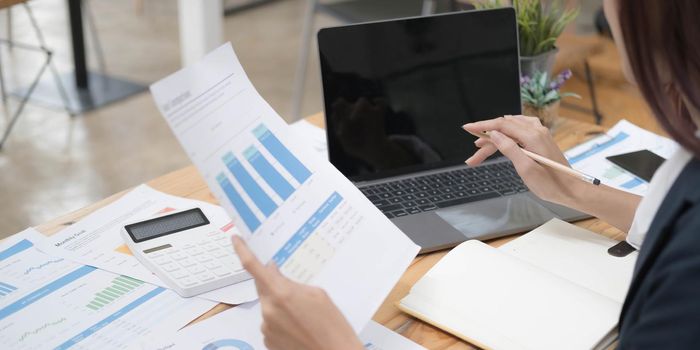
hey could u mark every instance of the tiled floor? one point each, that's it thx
(54, 164)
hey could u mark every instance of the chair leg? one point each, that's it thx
(90, 19)
(9, 27)
(23, 102)
(49, 55)
(3, 89)
(305, 48)
(591, 90)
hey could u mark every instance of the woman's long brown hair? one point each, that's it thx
(662, 40)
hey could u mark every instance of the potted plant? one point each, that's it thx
(541, 96)
(539, 26)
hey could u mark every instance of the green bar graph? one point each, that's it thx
(119, 286)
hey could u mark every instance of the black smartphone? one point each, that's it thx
(642, 164)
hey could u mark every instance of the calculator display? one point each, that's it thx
(165, 225)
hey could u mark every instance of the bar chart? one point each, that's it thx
(120, 285)
(263, 176)
(6, 289)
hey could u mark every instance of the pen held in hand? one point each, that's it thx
(550, 163)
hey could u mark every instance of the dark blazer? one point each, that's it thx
(662, 308)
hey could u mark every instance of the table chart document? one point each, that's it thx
(290, 205)
(49, 302)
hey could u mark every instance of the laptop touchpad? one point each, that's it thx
(499, 215)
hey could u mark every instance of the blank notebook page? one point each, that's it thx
(498, 301)
(577, 255)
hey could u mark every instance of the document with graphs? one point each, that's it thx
(290, 205)
(48, 302)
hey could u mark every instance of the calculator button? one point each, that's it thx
(205, 276)
(196, 269)
(178, 274)
(187, 262)
(203, 258)
(221, 271)
(219, 253)
(213, 233)
(178, 255)
(194, 251)
(203, 243)
(162, 260)
(210, 247)
(212, 265)
(170, 267)
(188, 281)
(224, 243)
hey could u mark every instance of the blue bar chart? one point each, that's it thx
(6, 289)
(281, 153)
(242, 208)
(269, 173)
(270, 170)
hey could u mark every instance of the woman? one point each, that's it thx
(659, 43)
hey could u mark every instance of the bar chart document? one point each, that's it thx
(291, 205)
(48, 302)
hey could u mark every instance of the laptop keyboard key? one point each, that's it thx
(464, 200)
(413, 210)
(399, 213)
(428, 207)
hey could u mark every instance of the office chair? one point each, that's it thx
(355, 11)
(8, 4)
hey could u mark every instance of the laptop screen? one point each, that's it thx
(396, 93)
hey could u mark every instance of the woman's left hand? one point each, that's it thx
(295, 316)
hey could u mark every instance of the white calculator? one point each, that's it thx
(185, 251)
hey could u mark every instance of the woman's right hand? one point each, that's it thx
(506, 134)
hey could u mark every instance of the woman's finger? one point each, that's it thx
(523, 164)
(507, 126)
(480, 155)
(251, 263)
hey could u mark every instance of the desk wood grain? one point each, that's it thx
(188, 183)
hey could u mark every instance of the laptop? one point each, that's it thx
(396, 94)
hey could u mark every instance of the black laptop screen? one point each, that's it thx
(396, 93)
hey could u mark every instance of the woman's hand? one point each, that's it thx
(507, 133)
(295, 316)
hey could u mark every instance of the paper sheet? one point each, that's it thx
(50, 302)
(624, 137)
(95, 240)
(313, 135)
(290, 205)
(239, 328)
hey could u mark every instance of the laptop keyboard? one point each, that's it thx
(430, 192)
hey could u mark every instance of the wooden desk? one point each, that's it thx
(188, 183)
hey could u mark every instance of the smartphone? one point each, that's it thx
(642, 164)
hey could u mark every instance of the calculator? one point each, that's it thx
(185, 251)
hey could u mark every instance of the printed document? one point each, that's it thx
(239, 328)
(290, 205)
(48, 302)
(624, 137)
(95, 240)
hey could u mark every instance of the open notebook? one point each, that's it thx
(553, 288)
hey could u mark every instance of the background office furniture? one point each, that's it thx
(24, 97)
(355, 11)
(187, 182)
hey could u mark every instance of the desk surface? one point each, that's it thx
(188, 183)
